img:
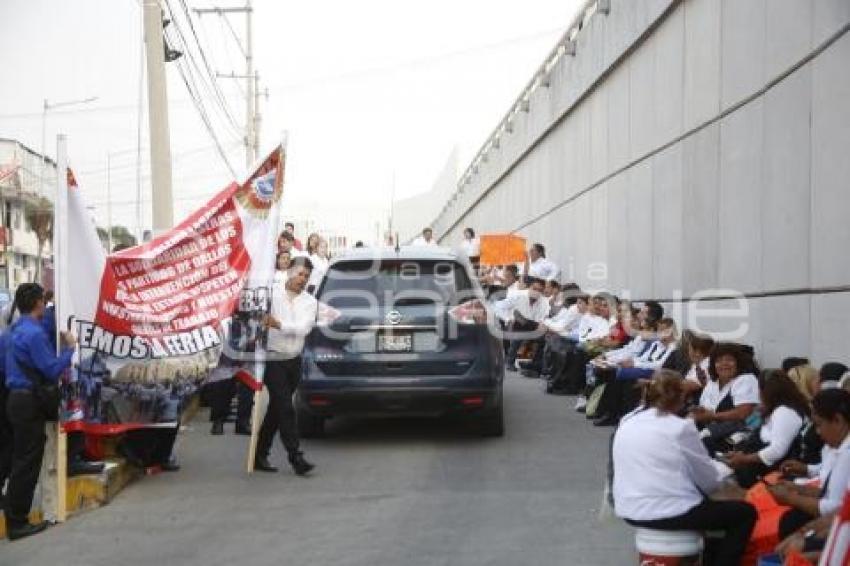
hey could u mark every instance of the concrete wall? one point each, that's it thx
(688, 146)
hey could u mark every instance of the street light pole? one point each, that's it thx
(45, 107)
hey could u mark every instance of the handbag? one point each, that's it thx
(45, 392)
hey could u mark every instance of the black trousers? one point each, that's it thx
(220, 395)
(281, 378)
(147, 447)
(27, 452)
(735, 518)
(6, 437)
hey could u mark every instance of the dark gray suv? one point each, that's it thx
(406, 334)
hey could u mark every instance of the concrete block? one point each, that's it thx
(702, 61)
(668, 84)
(785, 203)
(829, 328)
(666, 229)
(642, 106)
(740, 248)
(618, 233)
(830, 165)
(786, 324)
(828, 17)
(743, 58)
(618, 116)
(641, 217)
(788, 34)
(700, 200)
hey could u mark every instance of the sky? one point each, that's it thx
(369, 94)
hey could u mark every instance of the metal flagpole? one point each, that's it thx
(60, 270)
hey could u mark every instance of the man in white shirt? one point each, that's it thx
(286, 243)
(426, 239)
(536, 264)
(524, 311)
(293, 315)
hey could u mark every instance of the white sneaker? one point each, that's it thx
(581, 403)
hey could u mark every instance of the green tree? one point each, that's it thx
(38, 213)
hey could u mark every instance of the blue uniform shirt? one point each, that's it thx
(48, 322)
(27, 342)
(4, 346)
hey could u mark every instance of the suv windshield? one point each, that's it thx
(363, 283)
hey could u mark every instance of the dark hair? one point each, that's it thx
(702, 343)
(301, 261)
(778, 390)
(722, 349)
(26, 297)
(470, 231)
(553, 283)
(427, 229)
(655, 310)
(540, 249)
(286, 236)
(358, 244)
(790, 363)
(529, 281)
(665, 392)
(289, 225)
(832, 371)
(48, 295)
(513, 269)
(829, 403)
(571, 293)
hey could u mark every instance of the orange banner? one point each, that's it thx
(502, 249)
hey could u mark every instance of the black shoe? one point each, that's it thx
(26, 530)
(217, 428)
(606, 420)
(81, 468)
(243, 428)
(262, 464)
(301, 466)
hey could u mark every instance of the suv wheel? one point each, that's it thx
(309, 425)
(492, 423)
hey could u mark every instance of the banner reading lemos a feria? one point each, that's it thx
(151, 320)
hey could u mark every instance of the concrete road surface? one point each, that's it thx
(385, 493)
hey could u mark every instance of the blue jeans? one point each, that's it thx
(633, 374)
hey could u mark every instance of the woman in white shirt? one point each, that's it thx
(320, 260)
(784, 410)
(663, 475)
(471, 247)
(728, 398)
(831, 413)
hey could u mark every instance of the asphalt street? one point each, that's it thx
(385, 492)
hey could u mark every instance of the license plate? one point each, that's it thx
(395, 343)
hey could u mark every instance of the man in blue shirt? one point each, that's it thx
(28, 347)
(5, 426)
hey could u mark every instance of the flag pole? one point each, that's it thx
(60, 270)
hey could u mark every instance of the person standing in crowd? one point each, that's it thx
(6, 435)
(320, 258)
(289, 228)
(471, 247)
(293, 316)
(29, 357)
(536, 264)
(426, 239)
(286, 243)
(663, 475)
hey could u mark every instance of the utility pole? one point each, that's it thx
(251, 78)
(160, 145)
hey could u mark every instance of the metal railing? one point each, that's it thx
(566, 45)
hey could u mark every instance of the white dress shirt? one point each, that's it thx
(521, 301)
(421, 241)
(297, 316)
(779, 432)
(565, 322)
(471, 248)
(661, 468)
(835, 468)
(592, 327)
(630, 351)
(655, 355)
(744, 390)
(320, 267)
(542, 268)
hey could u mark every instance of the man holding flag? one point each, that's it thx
(293, 315)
